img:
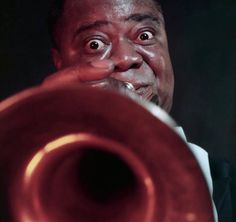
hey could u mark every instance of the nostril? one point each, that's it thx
(131, 66)
(135, 66)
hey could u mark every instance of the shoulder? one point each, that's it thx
(220, 168)
(222, 176)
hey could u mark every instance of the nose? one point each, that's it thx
(126, 57)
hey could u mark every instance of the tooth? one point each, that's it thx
(129, 86)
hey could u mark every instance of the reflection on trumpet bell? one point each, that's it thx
(90, 155)
(83, 176)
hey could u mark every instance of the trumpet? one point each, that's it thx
(83, 154)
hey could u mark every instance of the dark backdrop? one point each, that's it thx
(202, 36)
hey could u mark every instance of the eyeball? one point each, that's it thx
(95, 45)
(145, 36)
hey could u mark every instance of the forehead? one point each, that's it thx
(109, 9)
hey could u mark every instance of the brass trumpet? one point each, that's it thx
(67, 158)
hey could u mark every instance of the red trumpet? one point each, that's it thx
(84, 154)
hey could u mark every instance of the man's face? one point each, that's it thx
(129, 33)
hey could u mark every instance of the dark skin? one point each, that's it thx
(122, 39)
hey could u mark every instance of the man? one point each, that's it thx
(125, 40)
(120, 39)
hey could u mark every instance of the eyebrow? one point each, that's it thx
(143, 17)
(133, 17)
(92, 25)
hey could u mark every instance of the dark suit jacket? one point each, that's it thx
(223, 193)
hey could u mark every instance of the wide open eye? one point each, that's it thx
(147, 35)
(95, 45)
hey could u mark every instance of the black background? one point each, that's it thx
(202, 37)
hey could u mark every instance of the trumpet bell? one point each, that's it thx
(89, 155)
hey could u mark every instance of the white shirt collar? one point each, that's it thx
(202, 158)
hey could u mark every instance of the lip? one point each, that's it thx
(144, 91)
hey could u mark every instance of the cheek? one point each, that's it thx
(165, 77)
(69, 59)
(77, 56)
(162, 63)
(155, 58)
(159, 61)
(72, 58)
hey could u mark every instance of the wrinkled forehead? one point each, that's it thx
(150, 3)
(118, 6)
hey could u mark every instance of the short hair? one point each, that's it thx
(56, 11)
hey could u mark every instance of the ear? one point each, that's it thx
(56, 58)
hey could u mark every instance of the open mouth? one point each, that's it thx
(143, 91)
